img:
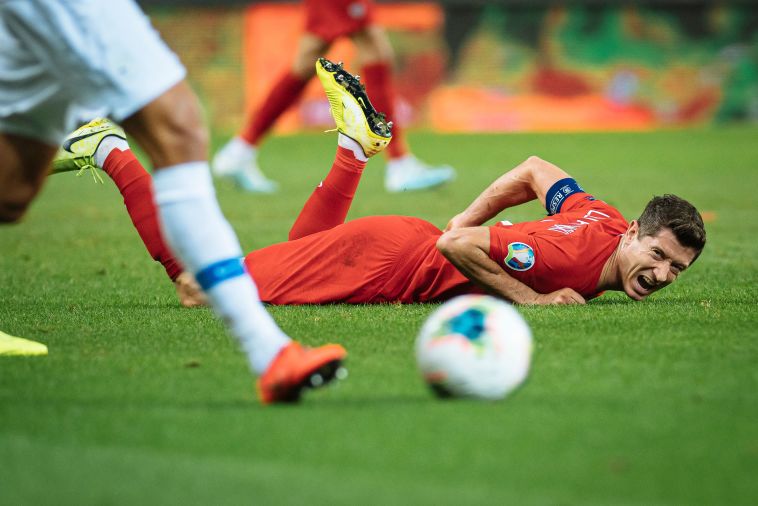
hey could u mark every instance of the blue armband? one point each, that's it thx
(216, 273)
(559, 192)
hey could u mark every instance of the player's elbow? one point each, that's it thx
(534, 159)
(536, 164)
(452, 242)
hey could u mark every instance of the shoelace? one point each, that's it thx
(95, 174)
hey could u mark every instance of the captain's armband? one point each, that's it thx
(559, 192)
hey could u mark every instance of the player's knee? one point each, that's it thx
(171, 129)
(374, 46)
(183, 137)
(192, 134)
(16, 196)
(303, 68)
(8, 217)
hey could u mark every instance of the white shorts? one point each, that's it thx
(64, 62)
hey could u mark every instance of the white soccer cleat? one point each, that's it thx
(238, 161)
(411, 174)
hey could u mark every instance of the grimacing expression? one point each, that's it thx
(649, 263)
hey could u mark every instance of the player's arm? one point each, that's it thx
(527, 181)
(467, 249)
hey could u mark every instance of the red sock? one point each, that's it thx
(329, 203)
(284, 93)
(378, 80)
(136, 186)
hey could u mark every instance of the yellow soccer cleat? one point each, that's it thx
(16, 346)
(351, 109)
(78, 150)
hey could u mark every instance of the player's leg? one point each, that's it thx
(102, 144)
(404, 171)
(171, 131)
(330, 201)
(29, 117)
(362, 133)
(239, 157)
(158, 108)
(24, 163)
(287, 90)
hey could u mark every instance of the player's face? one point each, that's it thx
(650, 263)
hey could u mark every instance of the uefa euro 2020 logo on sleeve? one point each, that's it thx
(520, 256)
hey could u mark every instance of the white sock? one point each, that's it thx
(203, 240)
(346, 142)
(107, 145)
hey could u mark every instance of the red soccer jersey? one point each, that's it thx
(563, 250)
(330, 19)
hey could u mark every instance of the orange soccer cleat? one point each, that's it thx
(297, 367)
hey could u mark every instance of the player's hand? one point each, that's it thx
(457, 221)
(189, 292)
(562, 296)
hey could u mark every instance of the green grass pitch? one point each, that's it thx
(143, 402)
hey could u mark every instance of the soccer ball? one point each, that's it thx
(474, 346)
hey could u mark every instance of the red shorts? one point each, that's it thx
(331, 19)
(366, 260)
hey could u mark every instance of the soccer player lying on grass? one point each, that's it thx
(582, 248)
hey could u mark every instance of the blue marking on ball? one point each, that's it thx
(470, 323)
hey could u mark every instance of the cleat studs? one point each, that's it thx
(316, 380)
(341, 373)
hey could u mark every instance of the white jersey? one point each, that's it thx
(63, 62)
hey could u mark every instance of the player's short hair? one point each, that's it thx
(677, 215)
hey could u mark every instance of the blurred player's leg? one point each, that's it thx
(284, 93)
(404, 171)
(170, 130)
(238, 158)
(24, 163)
(23, 166)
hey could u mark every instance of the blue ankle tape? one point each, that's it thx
(216, 273)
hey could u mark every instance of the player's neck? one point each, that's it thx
(609, 277)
